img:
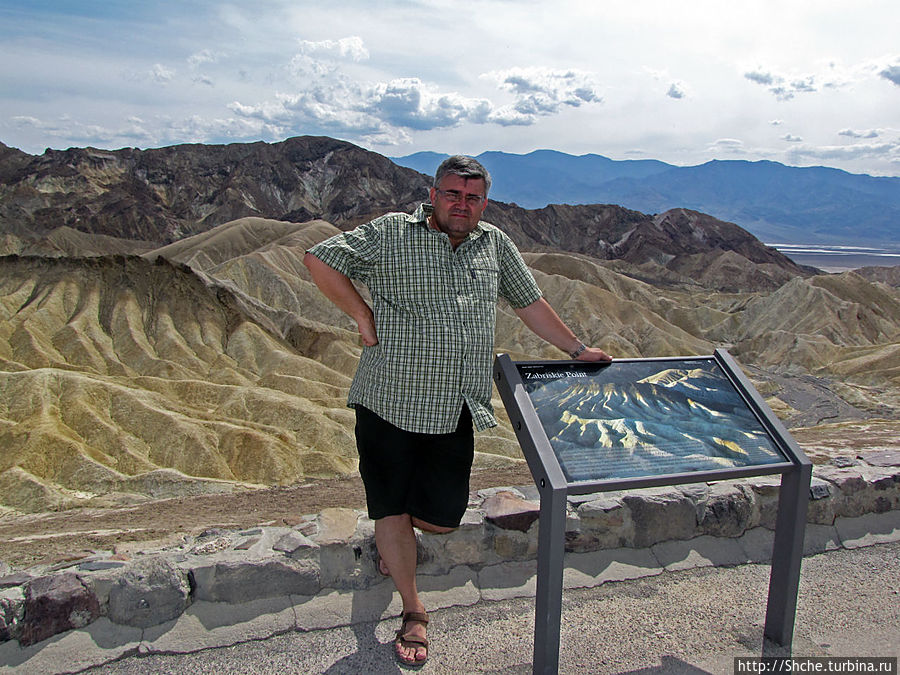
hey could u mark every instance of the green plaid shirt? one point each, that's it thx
(435, 311)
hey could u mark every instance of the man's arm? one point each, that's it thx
(338, 288)
(544, 322)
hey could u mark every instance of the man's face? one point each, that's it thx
(458, 204)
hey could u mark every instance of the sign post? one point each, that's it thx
(634, 423)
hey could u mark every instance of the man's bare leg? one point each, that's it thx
(396, 541)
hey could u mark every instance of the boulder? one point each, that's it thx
(661, 514)
(150, 592)
(509, 512)
(55, 604)
(242, 581)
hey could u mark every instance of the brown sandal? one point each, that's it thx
(411, 641)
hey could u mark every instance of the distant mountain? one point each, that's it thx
(163, 195)
(546, 177)
(777, 203)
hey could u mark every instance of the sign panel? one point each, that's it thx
(645, 418)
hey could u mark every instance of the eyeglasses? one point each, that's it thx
(456, 196)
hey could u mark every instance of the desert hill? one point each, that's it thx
(885, 275)
(160, 336)
(125, 378)
(64, 241)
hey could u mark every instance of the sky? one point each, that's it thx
(804, 83)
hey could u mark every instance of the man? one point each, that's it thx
(424, 378)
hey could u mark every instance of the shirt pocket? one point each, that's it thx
(484, 280)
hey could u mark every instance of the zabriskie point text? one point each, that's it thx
(816, 664)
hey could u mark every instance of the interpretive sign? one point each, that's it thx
(645, 418)
(634, 423)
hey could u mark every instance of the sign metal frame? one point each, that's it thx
(554, 490)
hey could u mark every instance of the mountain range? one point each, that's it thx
(777, 203)
(161, 195)
(159, 335)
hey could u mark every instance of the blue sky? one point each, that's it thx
(794, 81)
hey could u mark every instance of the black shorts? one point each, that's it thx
(424, 475)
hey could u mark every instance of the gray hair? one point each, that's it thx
(464, 167)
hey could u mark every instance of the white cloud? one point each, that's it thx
(27, 121)
(159, 73)
(352, 48)
(782, 87)
(790, 138)
(332, 101)
(675, 91)
(828, 75)
(324, 58)
(410, 103)
(541, 91)
(892, 74)
(203, 56)
(888, 150)
(508, 116)
(730, 146)
(383, 110)
(853, 133)
(136, 131)
(765, 79)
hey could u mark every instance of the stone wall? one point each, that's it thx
(495, 547)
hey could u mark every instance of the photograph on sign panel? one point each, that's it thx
(645, 418)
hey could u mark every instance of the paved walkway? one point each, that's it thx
(693, 621)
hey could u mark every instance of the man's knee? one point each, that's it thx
(430, 527)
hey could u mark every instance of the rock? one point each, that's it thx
(765, 491)
(513, 544)
(881, 457)
(726, 511)
(98, 565)
(862, 489)
(843, 462)
(659, 515)
(212, 546)
(12, 611)
(247, 544)
(464, 546)
(336, 525)
(55, 604)
(819, 489)
(296, 545)
(607, 522)
(242, 581)
(509, 512)
(15, 579)
(345, 542)
(820, 508)
(150, 592)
